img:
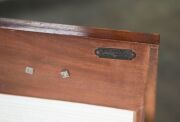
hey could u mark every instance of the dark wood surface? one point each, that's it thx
(49, 48)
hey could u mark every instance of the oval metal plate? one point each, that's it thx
(114, 53)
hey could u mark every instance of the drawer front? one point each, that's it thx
(93, 80)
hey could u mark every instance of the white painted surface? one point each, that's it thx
(26, 109)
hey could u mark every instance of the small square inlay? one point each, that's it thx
(29, 70)
(65, 74)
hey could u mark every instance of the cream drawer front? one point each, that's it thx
(26, 109)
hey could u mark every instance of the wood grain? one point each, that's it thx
(80, 31)
(125, 84)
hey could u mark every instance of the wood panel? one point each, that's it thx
(50, 48)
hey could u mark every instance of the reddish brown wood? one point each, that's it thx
(49, 48)
(80, 31)
(150, 91)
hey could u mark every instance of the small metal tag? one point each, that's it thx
(113, 53)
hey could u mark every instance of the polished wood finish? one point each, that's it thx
(49, 48)
(80, 31)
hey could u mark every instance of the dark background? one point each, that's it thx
(162, 16)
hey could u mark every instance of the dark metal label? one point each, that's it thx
(113, 53)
